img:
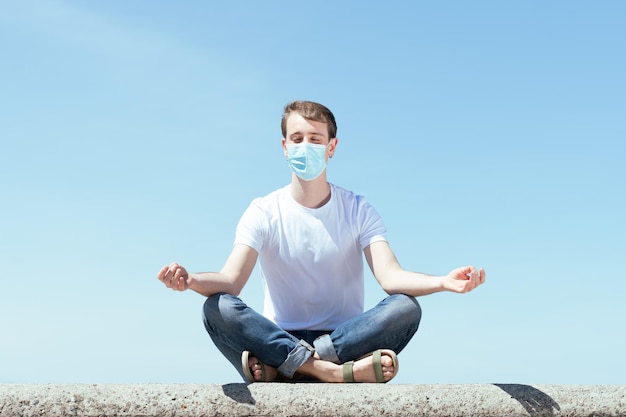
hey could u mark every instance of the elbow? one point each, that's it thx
(234, 289)
(391, 289)
(389, 286)
(395, 282)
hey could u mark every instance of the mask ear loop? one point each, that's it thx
(330, 153)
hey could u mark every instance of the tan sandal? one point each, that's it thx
(348, 376)
(246, 368)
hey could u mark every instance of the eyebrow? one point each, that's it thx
(298, 133)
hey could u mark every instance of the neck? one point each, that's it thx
(311, 194)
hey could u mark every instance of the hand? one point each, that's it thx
(464, 279)
(174, 276)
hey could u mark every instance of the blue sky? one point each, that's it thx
(134, 134)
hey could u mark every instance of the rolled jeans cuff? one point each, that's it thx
(325, 348)
(296, 358)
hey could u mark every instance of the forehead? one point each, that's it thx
(298, 124)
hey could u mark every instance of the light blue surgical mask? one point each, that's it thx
(307, 160)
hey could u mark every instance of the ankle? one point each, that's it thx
(322, 370)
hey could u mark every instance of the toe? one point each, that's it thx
(255, 368)
(386, 361)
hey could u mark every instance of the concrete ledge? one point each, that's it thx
(312, 400)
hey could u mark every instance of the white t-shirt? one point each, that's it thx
(311, 259)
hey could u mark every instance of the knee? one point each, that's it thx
(218, 309)
(409, 308)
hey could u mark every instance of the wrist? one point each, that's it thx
(441, 283)
(192, 281)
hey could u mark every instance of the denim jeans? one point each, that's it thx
(235, 327)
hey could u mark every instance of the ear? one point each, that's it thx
(332, 147)
(284, 143)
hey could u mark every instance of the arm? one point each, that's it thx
(231, 279)
(393, 279)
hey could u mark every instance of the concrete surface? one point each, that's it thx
(263, 399)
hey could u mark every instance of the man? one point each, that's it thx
(309, 238)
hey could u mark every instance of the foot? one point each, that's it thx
(255, 368)
(363, 369)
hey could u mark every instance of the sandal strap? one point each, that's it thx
(347, 372)
(378, 366)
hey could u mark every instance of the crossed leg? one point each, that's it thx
(389, 325)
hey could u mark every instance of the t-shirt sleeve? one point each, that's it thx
(252, 227)
(371, 224)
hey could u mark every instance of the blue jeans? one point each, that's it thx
(235, 327)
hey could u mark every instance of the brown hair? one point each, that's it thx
(312, 111)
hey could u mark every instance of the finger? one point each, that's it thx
(175, 283)
(471, 273)
(181, 284)
(475, 272)
(465, 270)
(179, 277)
(475, 279)
(175, 275)
(179, 272)
(171, 274)
(162, 272)
(172, 269)
(483, 275)
(461, 273)
(168, 280)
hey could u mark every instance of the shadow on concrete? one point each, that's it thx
(537, 403)
(239, 393)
